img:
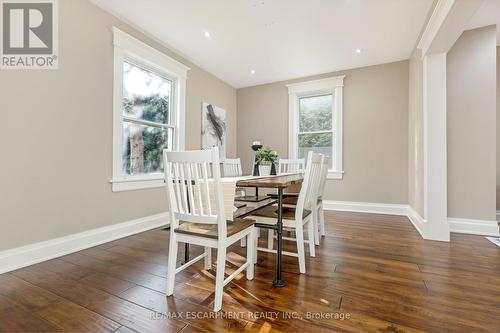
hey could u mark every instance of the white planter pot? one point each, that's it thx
(264, 170)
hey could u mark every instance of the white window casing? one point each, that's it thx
(128, 48)
(334, 86)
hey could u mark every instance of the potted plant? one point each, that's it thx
(266, 157)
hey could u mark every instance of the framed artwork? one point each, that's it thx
(213, 128)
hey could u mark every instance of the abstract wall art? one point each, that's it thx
(213, 128)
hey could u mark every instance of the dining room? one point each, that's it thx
(250, 166)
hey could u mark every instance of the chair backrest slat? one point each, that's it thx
(291, 165)
(192, 195)
(232, 167)
(205, 184)
(178, 194)
(198, 189)
(324, 176)
(182, 181)
(190, 180)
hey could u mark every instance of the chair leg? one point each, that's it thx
(270, 239)
(256, 244)
(243, 242)
(299, 236)
(219, 277)
(321, 220)
(172, 260)
(311, 235)
(315, 223)
(208, 258)
(250, 254)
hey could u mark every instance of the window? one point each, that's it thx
(315, 121)
(149, 90)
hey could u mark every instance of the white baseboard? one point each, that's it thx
(34, 253)
(473, 227)
(466, 226)
(416, 219)
(366, 207)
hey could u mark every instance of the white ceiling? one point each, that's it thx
(487, 14)
(279, 39)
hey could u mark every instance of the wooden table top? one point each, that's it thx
(281, 181)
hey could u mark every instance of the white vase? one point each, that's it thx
(264, 170)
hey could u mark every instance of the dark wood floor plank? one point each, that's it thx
(124, 329)
(15, 317)
(62, 286)
(116, 258)
(61, 267)
(418, 317)
(26, 294)
(74, 318)
(124, 272)
(108, 283)
(192, 329)
(192, 313)
(136, 317)
(105, 304)
(53, 308)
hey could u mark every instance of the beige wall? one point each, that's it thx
(57, 135)
(416, 134)
(498, 127)
(375, 130)
(471, 130)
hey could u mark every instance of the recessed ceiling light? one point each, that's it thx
(358, 51)
(252, 71)
(208, 34)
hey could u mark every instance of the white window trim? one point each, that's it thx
(332, 85)
(128, 47)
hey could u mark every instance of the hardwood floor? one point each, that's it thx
(372, 273)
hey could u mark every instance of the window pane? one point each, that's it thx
(146, 95)
(143, 148)
(315, 113)
(318, 143)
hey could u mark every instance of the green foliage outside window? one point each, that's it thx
(315, 113)
(143, 150)
(315, 125)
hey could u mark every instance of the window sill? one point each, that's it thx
(137, 183)
(335, 174)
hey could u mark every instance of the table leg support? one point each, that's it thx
(278, 281)
(186, 253)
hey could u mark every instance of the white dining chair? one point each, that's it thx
(299, 217)
(318, 213)
(232, 167)
(199, 215)
(291, 165)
